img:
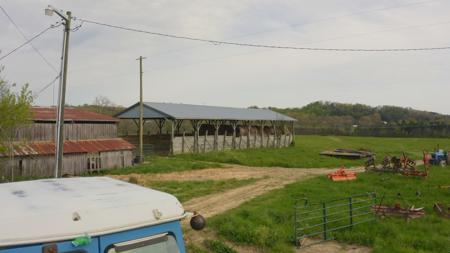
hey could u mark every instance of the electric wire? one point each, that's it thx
(232, 43)
(28, 41)
(36, 95)
(25, 37)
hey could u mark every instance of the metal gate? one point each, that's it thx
(316, 222)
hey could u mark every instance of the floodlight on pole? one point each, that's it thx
(49, 11)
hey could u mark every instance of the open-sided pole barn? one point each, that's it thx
(200, 128)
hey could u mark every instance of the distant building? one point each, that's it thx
(91, 144)
(201, 128)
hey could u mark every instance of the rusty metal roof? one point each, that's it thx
(80, 146)
(70, 114)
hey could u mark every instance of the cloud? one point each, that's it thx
(103, 60)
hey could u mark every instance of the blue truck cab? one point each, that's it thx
(88, 215)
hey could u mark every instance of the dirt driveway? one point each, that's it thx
(213, 204)
(210, 205)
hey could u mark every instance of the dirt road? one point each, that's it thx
(210, 205)
(213, 204)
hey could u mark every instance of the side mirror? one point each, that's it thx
(197, 222)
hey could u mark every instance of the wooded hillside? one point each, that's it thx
(359, 119)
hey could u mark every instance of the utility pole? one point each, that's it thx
(62, 89)
(141, 113)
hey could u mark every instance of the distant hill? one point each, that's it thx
(332, 118)
(359, 119)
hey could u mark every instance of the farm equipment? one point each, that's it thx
(398, 211)
(442, 210)
(392, 164)
(342, 175)
(415, 173)
(438, 157)
(348, 153)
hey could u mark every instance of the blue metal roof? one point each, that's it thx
(200, 112)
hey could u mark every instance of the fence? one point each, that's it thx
(315, 223)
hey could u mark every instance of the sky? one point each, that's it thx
(102, 61)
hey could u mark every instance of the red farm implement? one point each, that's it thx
(342, 175)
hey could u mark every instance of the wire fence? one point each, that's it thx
(317, 222)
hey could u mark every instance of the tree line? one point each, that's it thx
(331, 118)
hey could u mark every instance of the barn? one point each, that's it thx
(91, 143)
(187, 128)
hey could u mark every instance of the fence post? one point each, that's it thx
(350, 208)
(325, 221)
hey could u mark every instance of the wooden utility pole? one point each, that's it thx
(141, 113)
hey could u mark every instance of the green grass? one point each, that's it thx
(305, 154)
(218, 246)
(267, 221)
(187, 190)
(162, 164)
(192, 248)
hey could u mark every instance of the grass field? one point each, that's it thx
(161, 164)
(267, 221)
(305, 154)
(187, 190)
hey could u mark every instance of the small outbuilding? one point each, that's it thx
(200, 128)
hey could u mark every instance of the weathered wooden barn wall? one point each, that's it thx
(73, 164)
(116, 159)
(206, 143)
(72, 131)
(153, 144)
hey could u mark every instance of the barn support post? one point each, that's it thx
(178, 126)
(240, 140)
(182, 142)
(204, 141)
(216, 134)
(172, 135)
(224, 141)
(233, 140)
(293, 134)
(196, 124)
(248, 134)
(274, 144)
(160, 124)
(255, 136)
(262, 133)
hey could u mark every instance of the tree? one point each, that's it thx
(103, 101)
(14, 113)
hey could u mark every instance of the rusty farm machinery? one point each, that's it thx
(342, 175)
(393, 164)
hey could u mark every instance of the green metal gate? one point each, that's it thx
(318, 221)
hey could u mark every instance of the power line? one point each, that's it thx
(25, 37)
(28, 41)
(220, 42)
(36, 95)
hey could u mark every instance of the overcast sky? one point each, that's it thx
(102, 60)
